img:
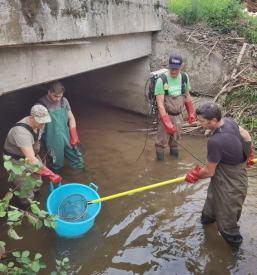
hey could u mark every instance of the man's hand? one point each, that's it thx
(54, 178)
(193, 176)
(170, 128)
(74, 140)
(190, 111)
(250, 161)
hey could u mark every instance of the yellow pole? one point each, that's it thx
(137, 190)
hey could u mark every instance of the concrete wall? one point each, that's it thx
(29, 66)
(45, 40)
(120, 85)
(40, 21)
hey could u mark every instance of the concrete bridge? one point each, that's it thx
(45, 40)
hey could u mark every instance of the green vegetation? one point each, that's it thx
(14, 217)
(220, 15)
(242, 106)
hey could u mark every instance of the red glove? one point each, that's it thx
(193, 176)
(50, 175)
(170, 128)
(190, 111)
(250, 161)
(74, 140)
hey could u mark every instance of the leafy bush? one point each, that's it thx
(14, 217)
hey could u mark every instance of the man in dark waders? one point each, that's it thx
(172, 94)
(23, 141)
(60, 141)
(228, 151)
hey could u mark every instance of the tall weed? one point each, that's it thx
(218, 14)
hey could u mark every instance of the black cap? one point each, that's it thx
(175, 61)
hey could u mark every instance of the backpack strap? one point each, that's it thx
(165, 83)
(35, 135)
(183, 83)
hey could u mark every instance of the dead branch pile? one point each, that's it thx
(251, 5)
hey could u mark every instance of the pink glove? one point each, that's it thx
(190, 111)
(193, 176)
(50, 175)
(170, 128)
(250, 161)
(74, 140)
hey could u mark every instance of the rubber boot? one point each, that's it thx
(160, 155)
(174, 152)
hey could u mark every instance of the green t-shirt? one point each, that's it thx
(174, 85)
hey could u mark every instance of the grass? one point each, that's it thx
(247, 117)
(219, 15)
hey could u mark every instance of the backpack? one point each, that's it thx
(183, 81)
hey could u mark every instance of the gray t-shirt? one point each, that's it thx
(52, 107)
(21, 137)
(225, 145)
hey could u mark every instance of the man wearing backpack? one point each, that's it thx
(172, 93)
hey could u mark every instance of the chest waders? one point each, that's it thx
(174, 107)
(225, 197)
(56, 137)
(16, 154)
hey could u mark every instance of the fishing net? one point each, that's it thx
(72, 208)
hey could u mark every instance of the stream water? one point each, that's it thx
(156, 231)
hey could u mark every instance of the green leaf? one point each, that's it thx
(58, 262)
(3, 267)
(13, 235)
(42, 213)
(38, 183)
(16, 254)
(7, 165)
(42, 265)
(24, 192)
(17, 223)
(38, 256)
(53, 217)
(25, 253)
(2, 214)
(14, 215)
(65, 260)
(47, 223)
(63, 273)
(6, 158)
(35, 266)
(53, 273)
(35, 208)
(16, 169)
(31, 218)
(11, 264)
(21, 159)
(25, 260)
(10, 223)
(2, 243)
(17, 193)
(53, 224)
(11, 177)
(39, 224)
(8, 196)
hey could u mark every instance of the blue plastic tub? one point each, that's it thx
(81, 226)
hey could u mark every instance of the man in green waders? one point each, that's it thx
(228, 152)
(60, 141)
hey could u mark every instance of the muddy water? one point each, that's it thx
(152, 232)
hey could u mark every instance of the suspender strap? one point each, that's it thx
(183, 81)
(35, 135)
(13, 155)
(42, 103)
